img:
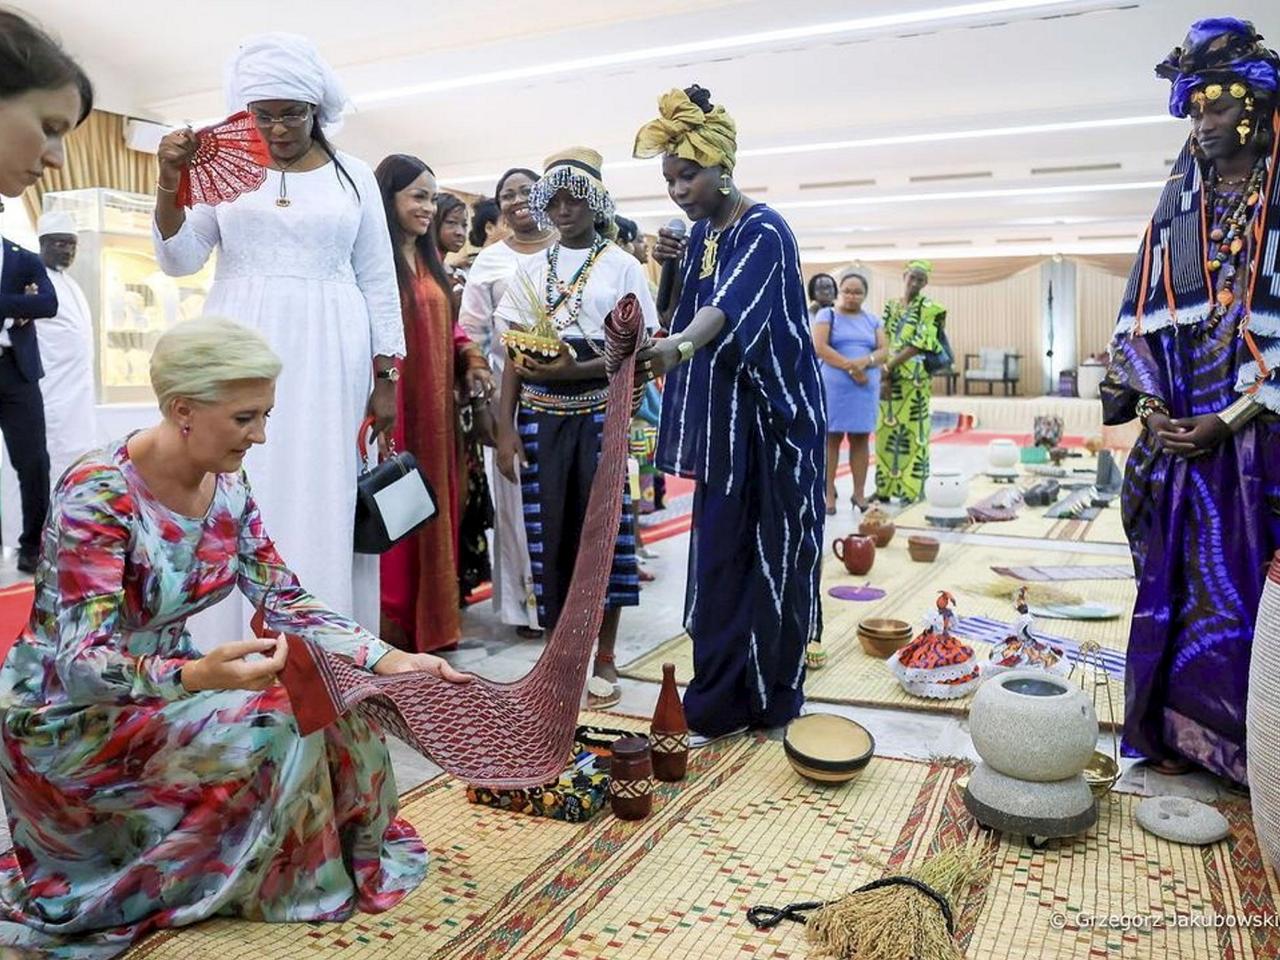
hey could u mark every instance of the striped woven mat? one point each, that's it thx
(744, 829)
(852, 677)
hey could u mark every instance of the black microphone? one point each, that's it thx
(668, 279)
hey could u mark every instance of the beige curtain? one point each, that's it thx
(96, 157)
(1005, 314)
(1115, 264)
(950, 273)
(1098, 297)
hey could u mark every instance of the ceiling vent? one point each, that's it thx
(1024, 240)
(940, 177)
(831, 184)
(946, 243)
(1108, 236)
(1076, 168)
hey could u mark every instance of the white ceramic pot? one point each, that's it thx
(1002, 454)
(947, 489)
(1031, 725)
(1089, 377)
(1263, 718)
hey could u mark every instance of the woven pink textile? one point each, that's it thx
(485, 733)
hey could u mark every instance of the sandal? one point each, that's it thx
(1172, 768)
(529, 633)
(601, 693)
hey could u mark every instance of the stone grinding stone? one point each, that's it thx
(1058, 809)
(1182, 820)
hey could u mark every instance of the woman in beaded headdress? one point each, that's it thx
(902, 432)
(1194, 355)
(743, 414)
(551, 407)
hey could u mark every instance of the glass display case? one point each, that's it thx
(131, 298)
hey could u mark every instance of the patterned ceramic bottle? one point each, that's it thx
(669, 734)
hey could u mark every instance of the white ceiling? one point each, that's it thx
(949, 72)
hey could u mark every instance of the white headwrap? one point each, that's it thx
(56, 221)
(285, 66)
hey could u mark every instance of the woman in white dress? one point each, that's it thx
(492, 272)
(305, 260)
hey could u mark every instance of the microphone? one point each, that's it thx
(668, 279)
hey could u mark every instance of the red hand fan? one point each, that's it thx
(230, 159)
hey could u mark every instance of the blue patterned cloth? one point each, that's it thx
(746, 418)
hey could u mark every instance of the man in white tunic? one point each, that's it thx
(66, 349)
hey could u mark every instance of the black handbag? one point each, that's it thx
(942, 359)
(393, 499)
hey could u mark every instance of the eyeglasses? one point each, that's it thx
(290, 120)
(520, 193)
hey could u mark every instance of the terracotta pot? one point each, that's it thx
(631, 779)
(856, 553)
(923, 549)
(881, 531)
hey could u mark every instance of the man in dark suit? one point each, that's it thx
(26, 294)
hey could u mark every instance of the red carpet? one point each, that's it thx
(15, 609)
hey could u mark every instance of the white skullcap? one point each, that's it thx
(285, 66)
(56, 221)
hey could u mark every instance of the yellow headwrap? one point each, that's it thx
(683, 130)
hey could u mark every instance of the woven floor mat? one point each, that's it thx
(852, 677)
(744, 829)
(1030, 522)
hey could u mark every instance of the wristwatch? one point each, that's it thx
(391, 373)
(686, 349)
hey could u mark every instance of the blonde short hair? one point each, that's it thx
(197, 358)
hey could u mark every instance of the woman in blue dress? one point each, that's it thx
(851, 344)
(743, 414)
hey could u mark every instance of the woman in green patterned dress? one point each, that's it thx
(902, 433)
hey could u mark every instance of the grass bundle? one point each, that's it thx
(904, 917)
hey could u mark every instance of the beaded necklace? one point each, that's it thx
(1227, 257)
(558, 292)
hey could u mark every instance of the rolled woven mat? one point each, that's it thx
(1262, 719)
(504, 735)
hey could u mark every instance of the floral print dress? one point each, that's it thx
(136, 806)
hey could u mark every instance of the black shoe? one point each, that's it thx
(27, 562)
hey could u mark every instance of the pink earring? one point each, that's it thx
(186, 429)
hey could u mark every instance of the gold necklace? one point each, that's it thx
(712, 242)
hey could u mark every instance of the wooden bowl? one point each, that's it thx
(883, 627)
(923, 549)
(828, 748)
(881, 648)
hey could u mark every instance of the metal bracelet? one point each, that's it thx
(1240, 413)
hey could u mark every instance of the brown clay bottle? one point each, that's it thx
(669, 733)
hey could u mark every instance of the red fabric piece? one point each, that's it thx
(502, 735)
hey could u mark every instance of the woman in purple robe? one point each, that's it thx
(1194, 355)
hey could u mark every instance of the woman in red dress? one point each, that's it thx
(420, 598)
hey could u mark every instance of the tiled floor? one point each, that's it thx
(493, 650)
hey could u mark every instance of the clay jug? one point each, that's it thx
(669, 733)
(631, 778)
(856, 553)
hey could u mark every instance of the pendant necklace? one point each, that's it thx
(712, 241)
(283, 199)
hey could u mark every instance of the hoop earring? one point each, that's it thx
(726, 184)
(1196, 152)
